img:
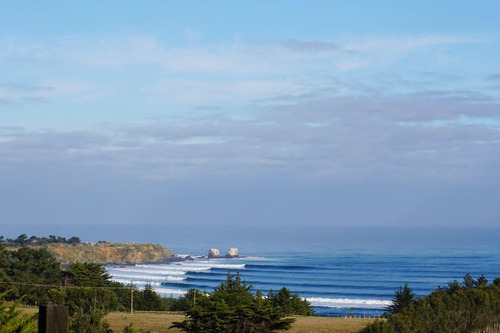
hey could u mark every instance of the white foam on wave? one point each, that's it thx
(138, 283)
(175, 278)
(144, 273)
(147, 277)
(205, 265)
(255, 258)
(163, 271)
(191, 265)
(175, 267)
(349, 303)
(188, 266)
(157, 286)
(136, 277)
(170, 292)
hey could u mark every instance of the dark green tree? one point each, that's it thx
(451, 287)
(74, 240)
(482, 281)
(33, 267)
(402, 298)
(185, 302)
(469, 282)
(87, 307)
(464, 309)
(87, 275)
(290, 304)
(4, 269)
(232, 307)
(21, 239)
(123, 294)
(149, 300)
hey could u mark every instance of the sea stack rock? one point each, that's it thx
(213, 253)
(232, 253)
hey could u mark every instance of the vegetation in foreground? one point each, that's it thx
(33, 276)
(232, 307)
(469, 306)
(160, 322)
(14, 320)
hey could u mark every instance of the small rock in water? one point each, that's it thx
(232, 253)
(213, 253)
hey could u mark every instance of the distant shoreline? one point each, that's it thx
(107, 253)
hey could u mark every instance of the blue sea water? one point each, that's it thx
(339, 270)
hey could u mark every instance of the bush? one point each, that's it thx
(87, 307)
(467, 307)
(290, 304)
(131, 329)
(231, 307)
(12, 320)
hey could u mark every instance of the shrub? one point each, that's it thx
(232, 307)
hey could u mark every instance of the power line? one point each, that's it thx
(68, 287)
(55, 286)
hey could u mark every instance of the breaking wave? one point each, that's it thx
(342, 303)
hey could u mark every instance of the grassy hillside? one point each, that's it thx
(110, 253)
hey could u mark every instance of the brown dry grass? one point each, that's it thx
(158, 322)
(333, 325)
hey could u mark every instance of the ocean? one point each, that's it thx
(340, 271)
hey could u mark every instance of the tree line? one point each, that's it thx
(32, 276)
(467, 306)
(24, 240)
(232, 307)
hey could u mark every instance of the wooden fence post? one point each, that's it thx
(52, 318)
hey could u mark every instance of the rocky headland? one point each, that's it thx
(111, 253)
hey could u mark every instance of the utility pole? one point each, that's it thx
(131, 300)
(52, 318)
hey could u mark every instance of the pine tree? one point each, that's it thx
(402, 298)
(232, 307)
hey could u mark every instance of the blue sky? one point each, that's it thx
(263, 112)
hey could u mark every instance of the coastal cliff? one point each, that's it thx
(110, 253)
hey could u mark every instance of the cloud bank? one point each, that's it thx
(294, 129)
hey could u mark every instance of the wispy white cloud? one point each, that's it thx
(320, 138)
(308, 110)
(233, 57)
(407, 43)
(203, 73)
(207, 91)
(310, 46)
(77, 91)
